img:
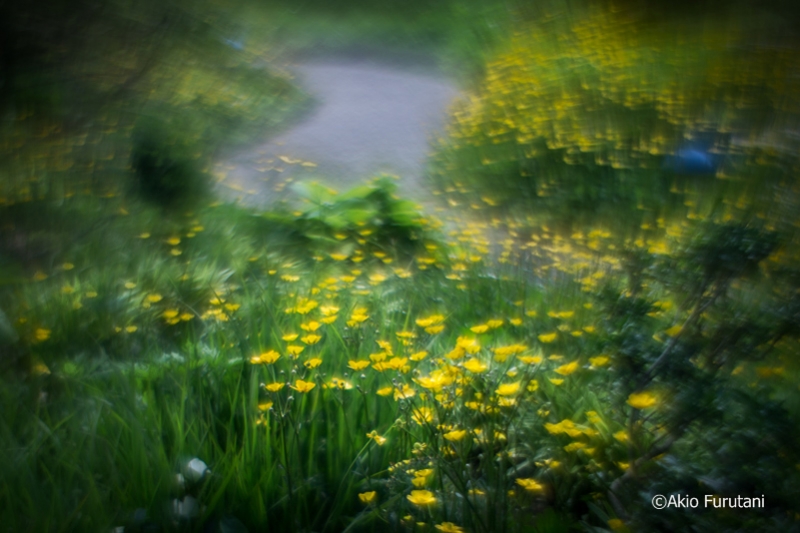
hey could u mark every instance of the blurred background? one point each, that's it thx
(565, 228)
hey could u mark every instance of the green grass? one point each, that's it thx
(544, 372)
(131, 381)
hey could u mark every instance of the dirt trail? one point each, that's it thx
(370, 118)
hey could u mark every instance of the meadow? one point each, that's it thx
(589, 320)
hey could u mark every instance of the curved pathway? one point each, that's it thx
(370, 118)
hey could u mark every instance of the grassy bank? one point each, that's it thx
(347, 363)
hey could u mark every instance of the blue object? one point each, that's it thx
(692, 160)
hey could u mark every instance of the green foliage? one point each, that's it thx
(166, 172)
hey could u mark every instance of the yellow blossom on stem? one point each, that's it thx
(547, 337)
(380, 441)
(449, 527)
(368, 497)
(303, 386)
(432, 320)
(313, 363)
(294, 350)
(567, 369)
(455, 435)
(531, 485)
(418, 356)
(266, 357)
(357, 365)
(475, 366)
(311, 339)
(422, 498)
(642, 400)
(508, 389)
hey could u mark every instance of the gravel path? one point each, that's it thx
(370, 118)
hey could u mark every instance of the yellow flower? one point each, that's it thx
(548, 337)
(131, 329)
(674, 330)
(418, 356)
(430, 321)
(303, 386)
(380, 441)
(404, 392)
(266, 357)
(508, 389)
(295, 350)
(621, 435)
(600, 360)
(556, 381)
(368, 497)
(67, 266)
(642, 400)
(313, 363)
(422, 415)
(174, 241)
(305, 306)
(531, 359)
(455, 435)
(358, 316)
(265, 406)
(274, 387)
(531, 485)
(436, 381)
(311, 339)
(433, 330)
(153, 298)
(329, 310)
(337, 383)
(170, 313)
(567, 369)
(422, 498)
(42, 334)
(449, 527)
(574, 446)
(495, 323)
(358, 365)
(385, 391)
(481, 328)
(130, 285)
(289, 337)
(419, 482)
(475, 366)
(310, 326)
(503, 352)
(471, 346)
